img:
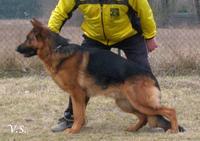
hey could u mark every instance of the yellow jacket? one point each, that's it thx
(107, 22)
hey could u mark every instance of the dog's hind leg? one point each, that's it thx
(161, 122)
(153, 121)
(152, 111)
(142, 121)
(127, 107)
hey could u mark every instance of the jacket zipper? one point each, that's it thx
(102, 23)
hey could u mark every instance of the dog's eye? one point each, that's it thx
(29, 38)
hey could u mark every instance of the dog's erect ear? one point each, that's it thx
(39, 28)
(36, 24)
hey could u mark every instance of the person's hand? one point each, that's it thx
(151, 44)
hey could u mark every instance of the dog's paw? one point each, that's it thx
(131, 129)
(173, 131)
(72, 131)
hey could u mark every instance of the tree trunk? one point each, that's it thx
(197, 5)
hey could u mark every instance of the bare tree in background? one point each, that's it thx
(197, 5)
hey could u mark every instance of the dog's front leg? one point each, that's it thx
(78, 102)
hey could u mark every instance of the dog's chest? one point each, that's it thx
(64, 81)
(59, 81)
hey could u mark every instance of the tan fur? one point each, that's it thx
(137, 95)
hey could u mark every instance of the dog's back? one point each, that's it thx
(108, 68)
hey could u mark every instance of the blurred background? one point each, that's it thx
(178, 36)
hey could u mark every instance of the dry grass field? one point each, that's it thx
(34, 103)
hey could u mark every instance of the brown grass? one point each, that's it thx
(178, 51)
(36, 103)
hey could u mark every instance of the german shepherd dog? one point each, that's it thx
(84, 72)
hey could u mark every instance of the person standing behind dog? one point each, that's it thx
(124, 24)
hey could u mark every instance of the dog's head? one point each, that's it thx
(35, 40)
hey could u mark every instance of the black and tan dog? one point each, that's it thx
(89, 72)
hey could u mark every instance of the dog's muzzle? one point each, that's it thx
(26, 51)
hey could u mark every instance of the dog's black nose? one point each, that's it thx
(20, 49)
(17, 49)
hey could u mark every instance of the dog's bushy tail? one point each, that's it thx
(161, 122)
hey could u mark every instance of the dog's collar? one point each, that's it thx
(57, 48)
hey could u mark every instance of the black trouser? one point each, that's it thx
(134, 48)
